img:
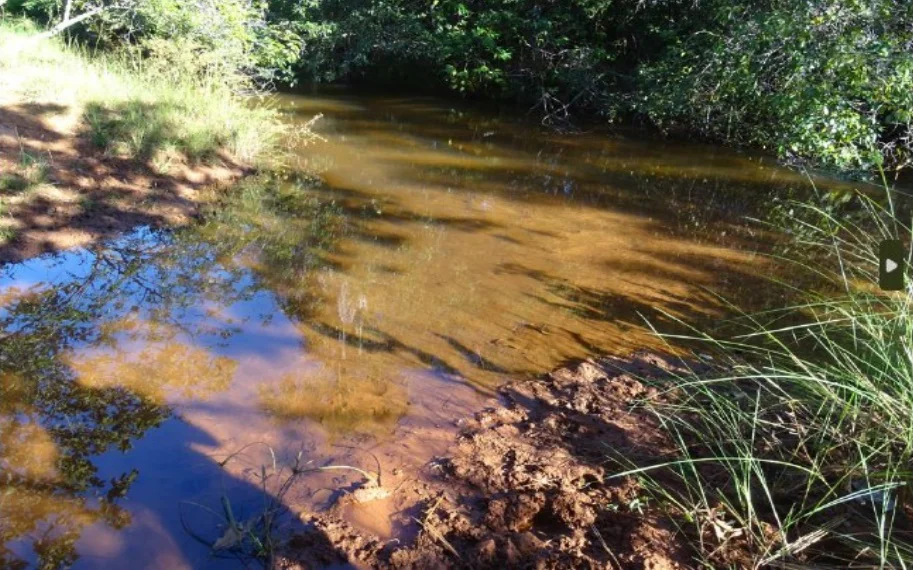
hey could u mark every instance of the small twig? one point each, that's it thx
(434, 532)
(606, 546)
(240, 451)
(365, 474)
(371, 453)
(229, 515)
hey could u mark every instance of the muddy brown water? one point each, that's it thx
(145, 383)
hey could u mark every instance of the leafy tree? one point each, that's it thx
(236, 40)
(822, 79)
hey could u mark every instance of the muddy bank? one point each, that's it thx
(525, 485)
(59, 191)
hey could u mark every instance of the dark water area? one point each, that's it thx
(350, 317)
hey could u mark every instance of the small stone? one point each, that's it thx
(369, 493)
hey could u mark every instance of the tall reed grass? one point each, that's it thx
(798, 451)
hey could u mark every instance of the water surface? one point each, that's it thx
(351, 319)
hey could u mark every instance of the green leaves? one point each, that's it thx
(505, 49)
(830, 82)
(809, 78)
(237, 39)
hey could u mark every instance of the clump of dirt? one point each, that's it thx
(525, 485)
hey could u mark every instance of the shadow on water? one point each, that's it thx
(100, 469)
(441, 253)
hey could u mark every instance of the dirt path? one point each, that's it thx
(524, 485)
(58, 190)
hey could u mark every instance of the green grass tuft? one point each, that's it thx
(134, 107)
(31, 171)
(13, 183)
(33, 167)
(7, 233)
(798, 452)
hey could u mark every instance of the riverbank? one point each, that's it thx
(95, 145)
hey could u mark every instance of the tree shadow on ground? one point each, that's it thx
(90, 194)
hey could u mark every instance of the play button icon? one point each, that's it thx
(891, 258)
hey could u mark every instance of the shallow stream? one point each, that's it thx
(352, 319)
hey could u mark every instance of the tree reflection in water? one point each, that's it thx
(95, 344)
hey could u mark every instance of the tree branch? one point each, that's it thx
(71, 22)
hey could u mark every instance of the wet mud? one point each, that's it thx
(526, 485)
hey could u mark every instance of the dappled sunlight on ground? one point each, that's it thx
(81, 195)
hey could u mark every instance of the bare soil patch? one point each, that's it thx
(525, 485)
(61, 191)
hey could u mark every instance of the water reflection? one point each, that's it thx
(187, 332)
(181, 371)
(441, 252)
(52, 428)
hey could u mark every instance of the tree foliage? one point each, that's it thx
(820, 79)
(523, 50)
(828, 80)
(236, 40)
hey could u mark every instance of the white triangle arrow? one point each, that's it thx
(889, 265)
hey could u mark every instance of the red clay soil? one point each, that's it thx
(524, 486)
(86, 196)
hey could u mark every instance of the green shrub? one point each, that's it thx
(832, 81)
(523, 50)
(235, 40)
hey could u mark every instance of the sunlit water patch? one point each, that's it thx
(439, 253)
